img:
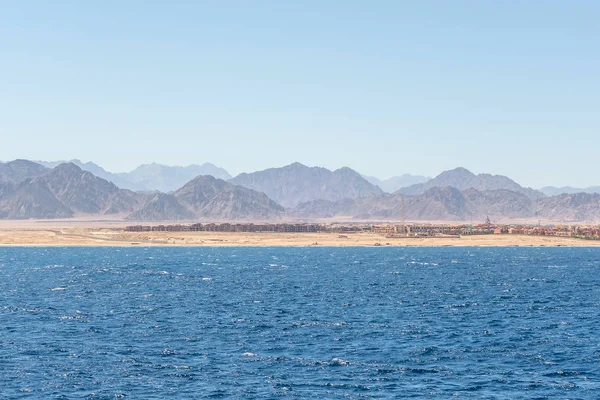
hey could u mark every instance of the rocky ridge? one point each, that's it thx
(463, 179)
(296, 183)
(206, 197)
(29, 190)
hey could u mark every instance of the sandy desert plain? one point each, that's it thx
(111, 233)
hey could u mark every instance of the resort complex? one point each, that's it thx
(388, 230)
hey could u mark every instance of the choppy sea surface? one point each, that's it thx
(326, 323)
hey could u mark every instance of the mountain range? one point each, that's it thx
(118, 179)
(462, 179)
(295, 191)
(165, 178)
(297, 183)
(206, 197)
(395, 183)
(18, 170)
(29, 190)
(554, 191)
(63, 191)
(450, 204)
(148, 177)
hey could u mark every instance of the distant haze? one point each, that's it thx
(394, 183)
(149, 177)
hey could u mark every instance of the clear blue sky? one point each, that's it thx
(385, 87)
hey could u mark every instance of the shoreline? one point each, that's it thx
(111, 237)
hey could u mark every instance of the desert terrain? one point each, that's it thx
(111, 233)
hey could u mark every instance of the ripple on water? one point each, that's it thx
(299, 322)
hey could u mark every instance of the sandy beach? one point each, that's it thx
(31, 235)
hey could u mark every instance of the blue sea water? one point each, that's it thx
(326, 323)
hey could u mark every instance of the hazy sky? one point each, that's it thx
(385, 87)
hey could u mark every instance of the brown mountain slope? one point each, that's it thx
(436, 204)
(18, 170)
(31, 199)
(499, 203)
(463, 179)
(62, 192)
(162, 207)
(570, 207)
(206, 197)
(84, 192)
(297, 183)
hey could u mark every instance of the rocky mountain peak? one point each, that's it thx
(464, 179)
(458, 172)
(84, 192)
(18, 170)
(296, 183)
